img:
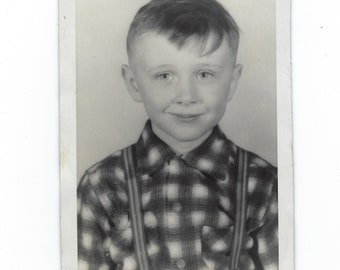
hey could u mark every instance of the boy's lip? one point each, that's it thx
(186, 116)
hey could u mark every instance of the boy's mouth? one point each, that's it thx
(186, 117)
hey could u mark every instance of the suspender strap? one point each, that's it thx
(135, 211)
(241, 209)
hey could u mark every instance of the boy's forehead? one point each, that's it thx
(154, 50)
(193, 44)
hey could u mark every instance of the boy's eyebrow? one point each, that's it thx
(158, 67)
(209, 65)
(198, 65)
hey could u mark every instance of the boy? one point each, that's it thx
(182, 67)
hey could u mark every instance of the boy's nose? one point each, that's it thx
(186, 92)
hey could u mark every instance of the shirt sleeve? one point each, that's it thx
(91, 252)
(266, 237)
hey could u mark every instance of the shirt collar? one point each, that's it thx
(215, 156)
(151, 152)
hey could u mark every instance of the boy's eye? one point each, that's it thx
(164, 76)
(205, 75)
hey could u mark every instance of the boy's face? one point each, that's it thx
(184, 93)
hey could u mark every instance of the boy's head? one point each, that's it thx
(182, 56)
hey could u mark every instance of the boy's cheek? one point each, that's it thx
(214, 98)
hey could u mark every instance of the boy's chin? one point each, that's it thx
(191, 137)
(184, 136)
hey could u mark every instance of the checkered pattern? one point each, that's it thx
(188, 208)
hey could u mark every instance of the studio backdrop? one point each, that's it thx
(108, 119)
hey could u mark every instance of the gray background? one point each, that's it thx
(108, 119)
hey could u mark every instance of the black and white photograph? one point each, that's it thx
(169, 134)
(176, 135)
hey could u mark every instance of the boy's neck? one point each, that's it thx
(180, 147)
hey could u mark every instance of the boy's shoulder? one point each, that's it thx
(108, 170)
(107, 163)
(260, 165)
(262, 175)
(256, 164)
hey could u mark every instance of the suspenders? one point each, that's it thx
(135, 205)
(241, 209)
(137, 223)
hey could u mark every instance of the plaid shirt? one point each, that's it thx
(188, 208)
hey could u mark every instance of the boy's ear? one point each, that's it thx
(131, 83)
(234, 81)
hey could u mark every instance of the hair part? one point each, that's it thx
(182, 20)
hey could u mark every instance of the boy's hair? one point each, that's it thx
(183, 19)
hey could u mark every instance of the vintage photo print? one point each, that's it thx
(175, 135)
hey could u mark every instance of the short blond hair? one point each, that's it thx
(183, 19)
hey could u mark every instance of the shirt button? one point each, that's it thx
(177, 207)
(145, 177)
(180, 263)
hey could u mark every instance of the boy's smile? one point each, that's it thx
(185, 91)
